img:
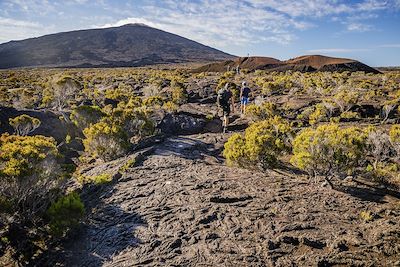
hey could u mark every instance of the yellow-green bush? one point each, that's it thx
(103, 178)
(84, 116)
(235, 151)
(26, 156)
(136, 122)
(394, 135)
(153, 101)
(366, 216)
(261, 144)
(121, 93)
(329, 150)
(319, 114)
(348, 115)
(179, 95)
(385, 172)
(105, 140)
(346, 98)
(170, 106)
(65, 213)
(261, 112)
(30, 172)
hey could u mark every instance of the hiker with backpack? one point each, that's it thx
(225, 101)
(244, 97)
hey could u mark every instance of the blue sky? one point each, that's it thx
(366, 30)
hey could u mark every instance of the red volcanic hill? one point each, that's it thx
(309, 63)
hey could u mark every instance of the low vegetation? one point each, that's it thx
(329, 125)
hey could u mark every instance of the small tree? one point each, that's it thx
(329, 150)
(65, 91)
(387, 108)
(379, 146)
(24, 124)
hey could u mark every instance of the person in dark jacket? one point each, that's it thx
(226, 102)
(244, 97)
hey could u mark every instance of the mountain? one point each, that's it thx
(128, 45)
(309, 63)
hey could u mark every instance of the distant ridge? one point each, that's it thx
(308, 63)
(128, 45)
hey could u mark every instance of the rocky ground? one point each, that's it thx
(181, 206)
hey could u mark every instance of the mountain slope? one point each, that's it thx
(303, 63)
(128, 45)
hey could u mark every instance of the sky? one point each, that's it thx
(365, 30)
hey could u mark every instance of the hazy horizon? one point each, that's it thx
(363, 30)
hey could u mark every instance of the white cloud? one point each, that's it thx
(359, 27)
(372, 5)
(390, 46)
(337, 50)
(223, 23)
(38, 7)
(220, 23)
(298, 8)
(20, 29)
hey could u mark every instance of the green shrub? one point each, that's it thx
(153, 101)
(348, 115)
(129, 164)
(261, 112)
(105, 140)
(329, 150)
(346, 98)
(170, 106)
(394, 135)
(366, 216)
(262, 143)
(84, 116)
(385, 172)
(270, 88)
(30, 172)
(235, 151)
(136, 122)
(100, 179)
(24, 124)
(319, 114)
(65, 213)
(178, 93)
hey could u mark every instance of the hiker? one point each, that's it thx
(244, 97)
(225, 101)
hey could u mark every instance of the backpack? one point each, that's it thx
(223, 97)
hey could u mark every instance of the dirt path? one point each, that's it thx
(183, 207)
